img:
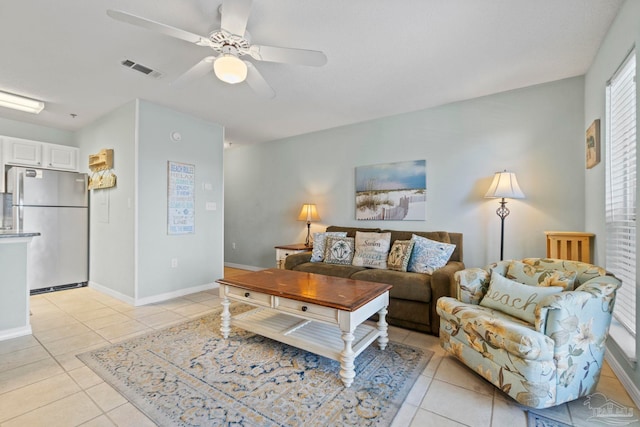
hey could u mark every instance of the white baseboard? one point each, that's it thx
(112, 293)
(175, 294)
(626, 382)
(153, 299)
(8, 334)
(242, 266)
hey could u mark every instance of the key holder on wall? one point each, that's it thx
(100, 165)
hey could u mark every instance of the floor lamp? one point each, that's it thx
(309, 212)
(504, 186)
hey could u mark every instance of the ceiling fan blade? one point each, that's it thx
(235, 14)
(200, 69)
(119, 15)
(257, 83)
(288, 55)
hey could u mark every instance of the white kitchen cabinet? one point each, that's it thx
(60, 157)
(22, 152)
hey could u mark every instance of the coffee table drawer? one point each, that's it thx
(305, 309)
(256, 298)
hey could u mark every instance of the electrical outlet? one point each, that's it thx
(233, 246)
(174, 262)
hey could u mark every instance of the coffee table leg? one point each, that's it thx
(226, 319)
(383, 339)
(347, 373)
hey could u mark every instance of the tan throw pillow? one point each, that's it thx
(399, 255)
(533, 275)
(372, 249)
(515, 298)
(338, 250)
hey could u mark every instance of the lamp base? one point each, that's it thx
(308, 241)
(502, 212)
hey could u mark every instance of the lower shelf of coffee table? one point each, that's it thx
(316, 337)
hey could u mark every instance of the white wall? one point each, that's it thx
(130, 253)
(112, 210)
(621, 38)
(536, 132)
(25, 130)
(199, 255)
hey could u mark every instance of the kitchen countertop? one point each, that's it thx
(16, 233)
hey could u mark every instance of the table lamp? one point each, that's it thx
(309, 212)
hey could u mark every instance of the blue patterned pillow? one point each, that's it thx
(317, 253)
(339, 250)
(428, 255)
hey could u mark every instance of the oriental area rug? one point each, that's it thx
(187, 375)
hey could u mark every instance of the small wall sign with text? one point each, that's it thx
(181, 198)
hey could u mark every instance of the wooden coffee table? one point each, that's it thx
(317, 313)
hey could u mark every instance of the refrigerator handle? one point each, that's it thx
(19, 201)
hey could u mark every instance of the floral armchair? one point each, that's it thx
(521, 326)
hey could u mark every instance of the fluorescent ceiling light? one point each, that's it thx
(21, 103)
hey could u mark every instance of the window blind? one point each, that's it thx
(621, 189)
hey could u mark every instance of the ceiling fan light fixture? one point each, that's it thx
(230, 69)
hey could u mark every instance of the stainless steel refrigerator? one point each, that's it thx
(53, 203)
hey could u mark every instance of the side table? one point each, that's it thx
(283, 251)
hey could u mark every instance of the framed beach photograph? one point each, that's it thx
(593, 144)
(392, 191)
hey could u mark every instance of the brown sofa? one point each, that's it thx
(413, 297)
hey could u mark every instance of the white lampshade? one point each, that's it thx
(230, 69)
(505, 185)
(21, 103)
(309, 212)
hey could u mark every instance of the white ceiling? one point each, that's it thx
(384, 57)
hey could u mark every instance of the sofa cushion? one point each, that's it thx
(345, 271)
(339, 250)
(429, 255)
(514, 298)
(537, 275)
(399, 255)
(484, 328)
(351, 231)
(584, 270)
(408, 286)
(317, 254)
(372, 249)
(438, 236)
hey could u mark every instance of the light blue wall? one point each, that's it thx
(112, 211)
(199, 255)
(24, 130)
(621, 38)
(131, 252)
(536, 132)
(13, 292)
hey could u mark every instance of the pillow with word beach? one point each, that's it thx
(372, 249)
(515, 298)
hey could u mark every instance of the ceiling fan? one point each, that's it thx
(229, 43)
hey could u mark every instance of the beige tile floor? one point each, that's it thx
(42, 383)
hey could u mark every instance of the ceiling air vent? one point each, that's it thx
(141, 68)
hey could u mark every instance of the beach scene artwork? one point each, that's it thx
(392, 191)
